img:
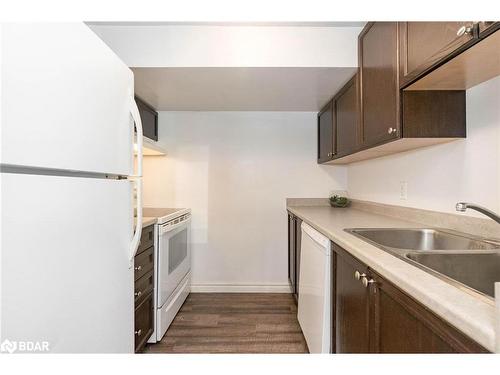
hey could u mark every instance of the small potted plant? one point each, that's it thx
(339, 201)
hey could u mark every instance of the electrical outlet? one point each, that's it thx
(403, 190)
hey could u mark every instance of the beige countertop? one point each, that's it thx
(146, 221)
(153, 215)
(469, 312)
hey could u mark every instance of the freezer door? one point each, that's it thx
(65, 100)
(66, 278)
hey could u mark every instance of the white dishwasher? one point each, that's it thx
(314, 312)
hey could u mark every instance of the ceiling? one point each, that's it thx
(285, 24)
(239, 88)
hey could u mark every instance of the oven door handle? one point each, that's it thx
(170, 227)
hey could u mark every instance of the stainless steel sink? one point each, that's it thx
(477, 271)
(457, 258)
(421, 239)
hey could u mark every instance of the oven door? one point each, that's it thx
(174, 257)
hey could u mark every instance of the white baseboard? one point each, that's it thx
(240, 288)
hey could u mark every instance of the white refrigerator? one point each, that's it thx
(67, 191)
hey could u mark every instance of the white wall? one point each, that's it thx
(234, 170)
(232, 46)
(439, 176)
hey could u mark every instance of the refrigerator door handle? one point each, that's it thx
(134, 111)
(137, 179)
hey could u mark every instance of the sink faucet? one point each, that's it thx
(462, 206)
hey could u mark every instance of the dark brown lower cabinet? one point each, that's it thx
(291, 253)
(402, 325)
(294, 241)
(143, 322)
(298, 241)
(143, 289)
(373, 315)
(351, 305)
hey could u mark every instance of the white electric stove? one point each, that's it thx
(172, 271)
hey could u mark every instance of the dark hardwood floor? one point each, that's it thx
(234, 323)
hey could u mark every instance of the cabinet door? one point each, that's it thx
(291, 253)
(379, 83)
(143, 322)
(487, 27)
(149, 118)
(298, 241)
(346, 118)
(326, 131)
(402, 325)
(422, 44)
(351, 305)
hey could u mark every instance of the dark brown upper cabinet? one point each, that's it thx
(326, 133)
(388, 119)
(379, 83)
(485, 27)
(346, 114)
(423, 44)
(149, 118)
(474, 61)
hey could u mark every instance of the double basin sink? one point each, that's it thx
(458, 258)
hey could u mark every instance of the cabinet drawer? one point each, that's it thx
(147, 239)
(143, 287)
(143, 263)
(143, 322)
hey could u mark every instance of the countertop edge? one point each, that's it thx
(147, 221)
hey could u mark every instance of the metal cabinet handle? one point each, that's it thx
(138, 294)
(366, 282)
(464, 30)
(138, 268)
(391, 130)
(358, 275)
(139, 332)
